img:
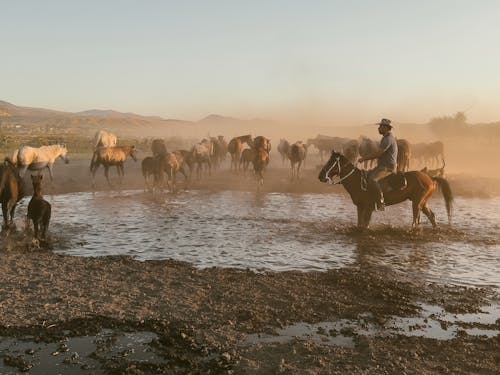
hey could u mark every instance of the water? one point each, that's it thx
(280, 232)
(74, 355)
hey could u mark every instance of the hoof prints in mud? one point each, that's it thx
(111, 352)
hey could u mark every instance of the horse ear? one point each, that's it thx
(333, 151)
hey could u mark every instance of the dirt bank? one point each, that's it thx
(202, 317)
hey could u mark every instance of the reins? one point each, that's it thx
(337, 162)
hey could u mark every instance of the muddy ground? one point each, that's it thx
(203, 318)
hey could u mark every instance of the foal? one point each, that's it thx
(39, 209)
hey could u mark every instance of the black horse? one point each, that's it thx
(39, 210)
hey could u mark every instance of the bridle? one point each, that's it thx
(337, 163)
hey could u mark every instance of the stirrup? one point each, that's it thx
(380, 205)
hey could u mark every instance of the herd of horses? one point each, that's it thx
(161, 168)
(430, 154)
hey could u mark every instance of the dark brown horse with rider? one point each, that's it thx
(419, 187)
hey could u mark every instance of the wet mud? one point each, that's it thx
(116, 314)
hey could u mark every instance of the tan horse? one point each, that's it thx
(38, 158)
(108, 156)
(202, 157)
(103, 138)
(404, 153)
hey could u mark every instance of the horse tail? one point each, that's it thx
(444, 185)
(15, 157)
(9, 160)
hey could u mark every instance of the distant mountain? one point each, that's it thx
(109, 113)
(11, 110)
(217, 119)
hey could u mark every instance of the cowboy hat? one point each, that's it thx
(386, 122)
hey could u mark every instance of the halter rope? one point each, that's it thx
(330, 181)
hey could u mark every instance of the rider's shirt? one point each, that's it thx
(389, 157)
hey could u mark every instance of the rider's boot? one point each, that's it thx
(379, 201)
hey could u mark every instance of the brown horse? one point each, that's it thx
(262, 142)
(158, 147)
(260, 162)
(235, 148)
(39, 209)
(12, 189)
(418, 189)
(297, 155)
(283, 149)
(108, 156)
(173, 163)
(404, 153)
(247, 157)
(149, 172)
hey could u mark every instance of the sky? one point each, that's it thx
(322, 62)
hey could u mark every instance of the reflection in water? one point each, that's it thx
(279, 232)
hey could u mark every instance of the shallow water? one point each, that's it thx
(279, 232)
(74, 355)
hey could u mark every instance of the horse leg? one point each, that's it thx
(106, 173)
(49, 167)
(121, 172)
(22, 170)
(36, 225)
(174, 182)
(12, 209)
(360, 216)
(185, 177)
(5, 213)
(93, 170)
(430, 215)
(416, 213)
(368, 215)
(298, 169)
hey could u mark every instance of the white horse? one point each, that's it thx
(37, 158)
(103, 138)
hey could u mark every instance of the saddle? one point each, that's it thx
(393, 182)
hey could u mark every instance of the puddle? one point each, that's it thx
(433, 323)
(74, 355)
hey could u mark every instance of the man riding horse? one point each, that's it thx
(386, 155)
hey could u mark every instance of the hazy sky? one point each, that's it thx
(339, 62)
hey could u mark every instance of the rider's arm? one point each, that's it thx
(375, 155)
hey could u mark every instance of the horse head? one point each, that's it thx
(133, 153)
(333, 167)
(63, 153)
